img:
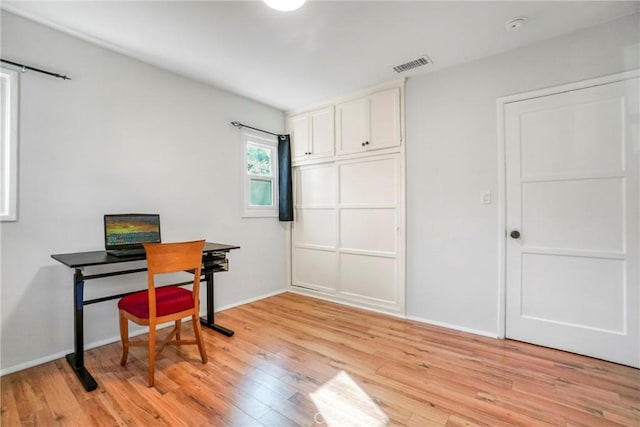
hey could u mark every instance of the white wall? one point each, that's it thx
(122, 136)
(452, 156)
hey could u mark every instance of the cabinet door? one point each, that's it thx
(351, 126)
(299, 131)
(369, 245)
(314, 262)
(321, 132)
(384, 119)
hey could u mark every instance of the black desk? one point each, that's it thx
(214, 258)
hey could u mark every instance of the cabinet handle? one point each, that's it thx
(366, 142)
(363, 144)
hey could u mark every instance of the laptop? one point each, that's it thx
(124, 234)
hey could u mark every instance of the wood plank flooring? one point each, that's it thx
(298, 361)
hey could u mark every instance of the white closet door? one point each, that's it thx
(573, 196)
(369, 218)
(314, 229)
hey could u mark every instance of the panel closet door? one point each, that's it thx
(314, 229)
(369, 218)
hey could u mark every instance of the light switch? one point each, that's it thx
(485, 197)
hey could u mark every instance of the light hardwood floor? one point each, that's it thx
(298, 361)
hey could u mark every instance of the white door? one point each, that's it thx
(572, 195)
(384, 119)
(370, 232)
(314, 230)
(321, 132)
(352, 123)
(298, 127)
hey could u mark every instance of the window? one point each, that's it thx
(259, 174)
(8, 144)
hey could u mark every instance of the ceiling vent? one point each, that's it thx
(423, 60)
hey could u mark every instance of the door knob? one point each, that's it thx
(515, 234)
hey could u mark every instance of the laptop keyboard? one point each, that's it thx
(126, 252)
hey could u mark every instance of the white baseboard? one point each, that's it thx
(313, 294)
(62, 354)
(247, 301)
(111, 340)
(454, 327)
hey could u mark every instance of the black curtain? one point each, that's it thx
(285, 188)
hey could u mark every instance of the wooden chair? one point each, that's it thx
(164, 304)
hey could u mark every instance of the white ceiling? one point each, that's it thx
(325, 49)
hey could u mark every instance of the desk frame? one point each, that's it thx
(211, 262)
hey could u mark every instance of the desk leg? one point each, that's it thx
(76, 359)
(209, 322)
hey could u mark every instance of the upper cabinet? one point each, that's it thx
(348, 126)
(312, 134)
(298, 128)
(369, 123)
(352, 129)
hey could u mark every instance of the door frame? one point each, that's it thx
(501, 103)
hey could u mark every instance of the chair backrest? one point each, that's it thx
(171, 258)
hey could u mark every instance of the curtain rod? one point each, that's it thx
(26, 67)
(242, 125)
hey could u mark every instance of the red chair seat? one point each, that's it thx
(168, 301)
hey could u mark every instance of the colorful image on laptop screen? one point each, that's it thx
(123, 231)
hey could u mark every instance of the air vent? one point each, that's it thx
(423, 60)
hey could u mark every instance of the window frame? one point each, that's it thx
(255, 138)
(9, 145)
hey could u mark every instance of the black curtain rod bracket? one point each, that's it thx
(242, 125)
(26, 67)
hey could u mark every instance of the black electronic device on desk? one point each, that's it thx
(125, 234)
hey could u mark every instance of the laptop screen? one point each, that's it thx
(129, 231)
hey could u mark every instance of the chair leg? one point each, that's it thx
(199, 340)
(124, 337)
(178, 326)
(152, 353)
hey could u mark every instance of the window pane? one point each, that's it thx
(258, 160)
(259, 167)
(8, 144)
(261, 193)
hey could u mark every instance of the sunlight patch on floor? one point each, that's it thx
(342, 403)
